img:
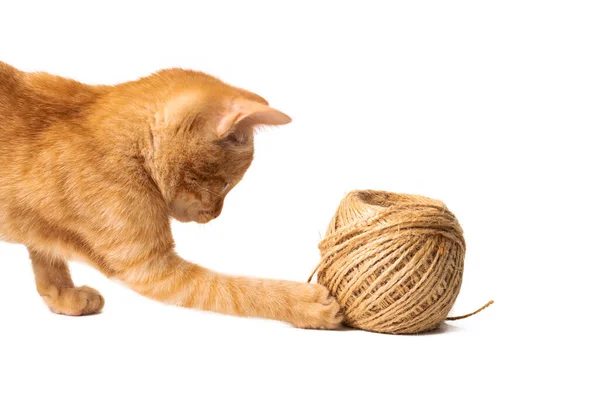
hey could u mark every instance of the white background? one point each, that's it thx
(492, 107)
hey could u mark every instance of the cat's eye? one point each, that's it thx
(225, 186)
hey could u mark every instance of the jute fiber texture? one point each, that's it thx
(393, 261)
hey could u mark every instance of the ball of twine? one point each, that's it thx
(394, 262)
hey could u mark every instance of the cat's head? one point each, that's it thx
(202, 143)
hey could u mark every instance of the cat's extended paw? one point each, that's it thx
(315, 308)
(77, 301)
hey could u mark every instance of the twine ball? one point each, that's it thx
(394, 262)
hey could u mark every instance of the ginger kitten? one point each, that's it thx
(95, 173)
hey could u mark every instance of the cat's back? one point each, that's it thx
(11, 105)
(10, 82)
(32, 102)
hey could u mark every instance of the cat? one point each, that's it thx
(96, 173)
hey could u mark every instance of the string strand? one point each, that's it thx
(489, 303)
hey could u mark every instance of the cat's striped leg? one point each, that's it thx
(54, 284)
(172, 280)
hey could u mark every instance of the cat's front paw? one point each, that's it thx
(315, 308)
(77, 301)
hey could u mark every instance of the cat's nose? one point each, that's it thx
(218, 208)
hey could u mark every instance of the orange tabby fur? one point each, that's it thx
(95, 173)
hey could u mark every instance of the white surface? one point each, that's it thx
(490, 106)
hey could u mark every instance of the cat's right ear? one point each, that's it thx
(187, 106)
(250, 113)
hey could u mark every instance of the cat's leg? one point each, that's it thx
(172, 280)
(54, 284)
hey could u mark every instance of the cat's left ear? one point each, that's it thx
(250, 113)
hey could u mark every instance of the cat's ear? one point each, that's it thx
(250, 113)
(181, 108)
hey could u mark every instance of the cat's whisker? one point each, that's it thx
(207, 190)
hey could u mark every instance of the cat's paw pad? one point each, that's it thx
(77, 301)
(316, 308)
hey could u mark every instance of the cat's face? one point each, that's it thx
(202, 145)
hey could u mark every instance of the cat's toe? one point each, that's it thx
(76, 301)
(319, 311)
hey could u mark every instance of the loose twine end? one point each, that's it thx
(489, 303)
(313, 273)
